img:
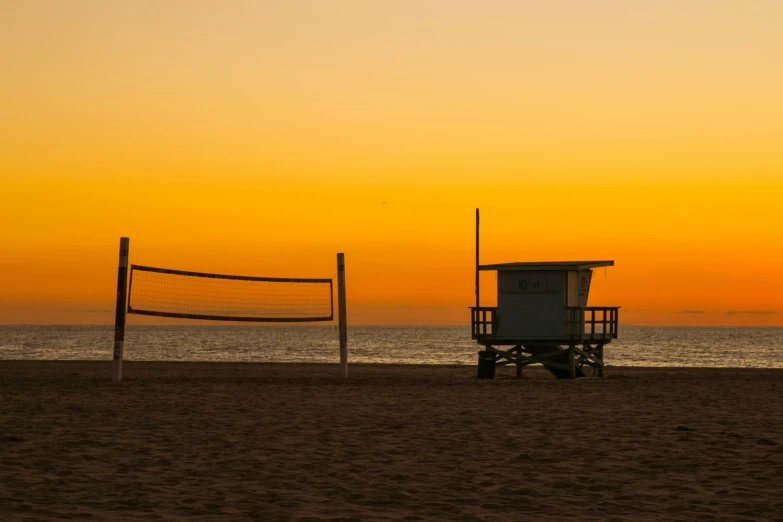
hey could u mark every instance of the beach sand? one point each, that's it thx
(209, 441)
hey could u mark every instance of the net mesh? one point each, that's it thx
(196, 295)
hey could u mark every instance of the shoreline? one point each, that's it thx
(501, 370)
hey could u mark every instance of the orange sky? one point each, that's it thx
(261, 138)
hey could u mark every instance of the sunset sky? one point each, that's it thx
(261, 138)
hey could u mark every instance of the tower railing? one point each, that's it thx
(582, 323)
(483, 321)
(592, 323)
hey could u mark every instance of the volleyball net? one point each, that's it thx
(164, 292)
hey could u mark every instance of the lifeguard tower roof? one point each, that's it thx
(548, 265)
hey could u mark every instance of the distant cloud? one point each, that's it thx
(692, 312)
(751, 312)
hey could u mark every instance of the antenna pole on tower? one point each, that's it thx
(477, 260)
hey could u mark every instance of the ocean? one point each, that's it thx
(738, 347)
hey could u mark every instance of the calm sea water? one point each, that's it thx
(638, 346)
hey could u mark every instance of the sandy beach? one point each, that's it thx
(178, 441)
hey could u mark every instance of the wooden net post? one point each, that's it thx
(119, 317)
(342, 315)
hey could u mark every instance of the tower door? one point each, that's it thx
(579, 287)
(573, 289)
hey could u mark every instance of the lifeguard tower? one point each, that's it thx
(542, 314)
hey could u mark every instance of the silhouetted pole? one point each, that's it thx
(342, 315)
(477, 261)
(119, 318)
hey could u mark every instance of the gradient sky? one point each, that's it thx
(261, 138)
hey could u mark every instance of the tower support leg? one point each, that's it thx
(571, 362)
(600, 351)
